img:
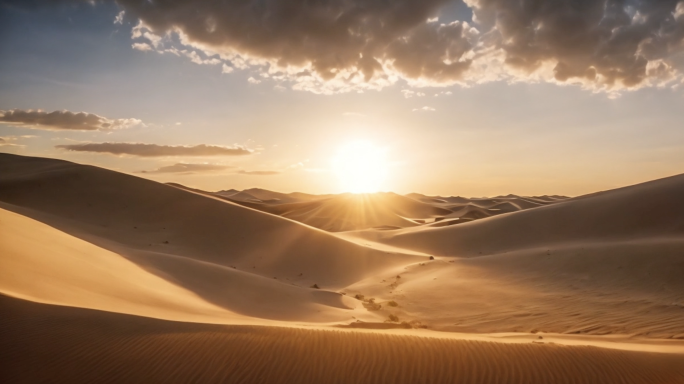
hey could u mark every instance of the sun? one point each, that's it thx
(360, 167)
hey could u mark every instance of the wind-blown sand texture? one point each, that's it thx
(40, 343)
(548, 289)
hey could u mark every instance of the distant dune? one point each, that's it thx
(110, 277)
(349, 212)
(649, 210)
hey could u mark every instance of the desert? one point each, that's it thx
(341, 191)
(110, 277)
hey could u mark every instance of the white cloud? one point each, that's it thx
(424, 109)
(119, 18)
(142, 47)
(226, 69)
(8, 141)
(410, 93)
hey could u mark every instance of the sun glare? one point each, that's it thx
(360, 167)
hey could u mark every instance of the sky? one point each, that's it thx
(471, 98)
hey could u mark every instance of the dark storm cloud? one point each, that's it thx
(63, 120)
(154, 150)
(190, 168)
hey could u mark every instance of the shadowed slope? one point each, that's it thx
(46, 344)
(138, 218)
(40, 263)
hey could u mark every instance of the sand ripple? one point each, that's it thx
(49, 344)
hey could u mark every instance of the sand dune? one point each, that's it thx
(206, 247)
(282, 198)
(225, 192)
(133, 216)
(40, 343)
(42, 264)
(649, 210)
(244, 196)
(258, 195)
(626, 289)
(608, 263)
(470, 209)
(603, 270)
(349, 212)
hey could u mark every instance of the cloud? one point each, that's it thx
(296, 165)
(259, 173)
(226, 69)
(291, 167)
(119, 18)
(424, 109)
(9, 141)
(601, 43)
(198, 59)
(321, 46)
(154, 150)
(355, 45)
(341, 46)
(190, 168)
(142, 47)
(409, 93)
(64, 120)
